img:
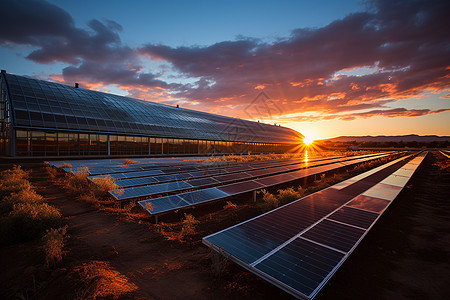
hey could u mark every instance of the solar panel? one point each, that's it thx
(149, 190)
(162, 204)
(383, 191)
(369, 203)
(135, 182)
(300, 265)
(136, 174)
(353, 216)
(241, 187)
(336, 235)
(205, 195)
(202, 182)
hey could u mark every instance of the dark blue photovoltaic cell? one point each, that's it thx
(241, 187)
(164, 178)
(301, 265)
(158, 205)
(354, 216)
(135, 182)
(276, 179)
(205, 195)
(202, 182)
(230, 177)
(336, 235)
(136, 174)
(149, 190)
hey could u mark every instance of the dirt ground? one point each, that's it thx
(405, 255)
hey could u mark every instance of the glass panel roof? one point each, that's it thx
(43, 104)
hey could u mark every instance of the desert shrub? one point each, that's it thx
(78, 181)
(13, 181)
(229, 205)
(289, 195)
(99, 281)
(129, 162)
(28, 221)
(103, 185)
(23, 196)
(53, 244)
(89, 198)
(269, 201)
(188, 225)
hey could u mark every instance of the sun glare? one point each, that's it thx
(308, 140)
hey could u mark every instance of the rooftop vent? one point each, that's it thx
(76, 85)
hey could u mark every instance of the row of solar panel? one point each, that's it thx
(299, 246)
(173, 202)
(252, 169)
(150, 190)
(445, 153)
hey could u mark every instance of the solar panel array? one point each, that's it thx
(299, 246)
(172, 202)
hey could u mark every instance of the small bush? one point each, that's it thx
(269, 201)
(24, 196)
(189, 224)
(103, 185)
(78, 182)
(53, 244)
(27, 221)
(100, 281)
(13, 181)
(289, 195)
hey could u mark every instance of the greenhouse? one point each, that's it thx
(41, 118)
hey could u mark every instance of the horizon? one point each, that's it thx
(330, 70)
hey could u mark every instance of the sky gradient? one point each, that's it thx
(330, 68)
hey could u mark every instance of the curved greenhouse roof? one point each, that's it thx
(38, 104)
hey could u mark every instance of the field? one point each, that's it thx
(112, 251)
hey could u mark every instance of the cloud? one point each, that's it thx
(52, 31)
(406, 42)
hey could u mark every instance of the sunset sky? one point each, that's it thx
(330, 68)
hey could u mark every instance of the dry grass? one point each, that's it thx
(13, 181)
(289, 195)
(129, 162)
(188, 225)
(105, 184)
(78, 182)
(53, 244)
(270, 201)
(100, 280)
(23, 196)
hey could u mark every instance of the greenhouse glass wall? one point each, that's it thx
(40, 118)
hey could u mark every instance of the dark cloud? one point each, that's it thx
(126, 76)
(53, 32)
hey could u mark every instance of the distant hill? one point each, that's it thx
(398, 138)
